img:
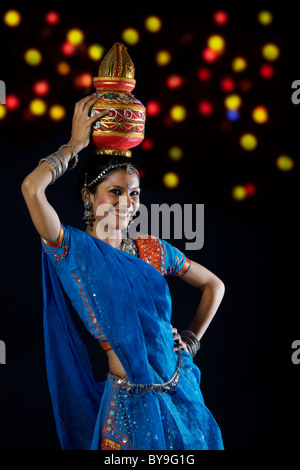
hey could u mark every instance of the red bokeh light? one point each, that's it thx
(266, 71)
(153, 108)
(52, 17)
(147, 144)
(250, 189)
(12, 102)
(174, 81)
(220, 17)
(205, 108)
(227, 84)
(41, 87)
(209, 55)
(68, 48)
(203, 74)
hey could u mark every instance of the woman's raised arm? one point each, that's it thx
(43, 215)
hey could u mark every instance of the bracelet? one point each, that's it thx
(75, 154)
(191, 340)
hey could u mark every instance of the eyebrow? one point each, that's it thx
(121, 187)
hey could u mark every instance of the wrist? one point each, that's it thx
(77, 144)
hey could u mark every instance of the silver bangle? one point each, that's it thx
(75, 154)
(54, 166)
(191, 341)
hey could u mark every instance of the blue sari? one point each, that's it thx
(127, 301)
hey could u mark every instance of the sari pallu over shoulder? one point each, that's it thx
(132, 303)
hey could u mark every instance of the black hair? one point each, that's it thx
(95, 165)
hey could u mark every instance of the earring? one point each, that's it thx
(88, 214)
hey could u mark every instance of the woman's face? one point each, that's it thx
(116, 199)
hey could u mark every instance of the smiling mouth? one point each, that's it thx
(122, 214)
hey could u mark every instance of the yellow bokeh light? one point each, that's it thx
(12, 18)
(265, 17)
(131, 36)
(239, 64)
(153, 24)
(163, 58)
(175, 153)
(232, 102)
(171, 180)
(75, 36)
(284, 163)
(248, 142)
(57, 112)
(2, 111)
(239, 193)
(260, 114)
(178, 113)
(63, 68)
(270, 51)
(37, 107)
(95, 51)
(216, 43)
(33, 57)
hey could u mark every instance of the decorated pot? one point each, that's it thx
(124, 126)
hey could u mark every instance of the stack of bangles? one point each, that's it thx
(191, 341)
(59, 162)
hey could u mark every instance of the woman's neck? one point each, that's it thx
(115, 238)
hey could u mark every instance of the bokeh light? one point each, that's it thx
(163, 58)
(12, 18)
(63, 68)
(284, 163)
(12, 102)
(233, 101)
(216, 43)
(52, 17)
(239, 192)
(147, 144)
(178, 113)
(175, 153)
(153, 108)
(75, 36)
(33, 57)
(41, 87)
(260, 114)
(68, 49)
(203, 74)
(250, 189)
(131, 36)
(205, 108)
(248, 142)
(265, 17)
(84, 80)
(239, 64)
(227, 84)
(171, 180)
(3, 111)
(95, 51)
(174, 81)
(153, 24)
(209, 55)
(57, 112)
(37, 107)
(266, 71)
(270, 51)
(232, 115)
(220, 17)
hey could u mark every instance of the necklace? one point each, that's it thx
(129, 246)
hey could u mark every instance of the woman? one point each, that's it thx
(151, 399)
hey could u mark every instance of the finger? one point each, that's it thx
(99, 115)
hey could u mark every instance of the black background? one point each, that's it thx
(248, 380)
